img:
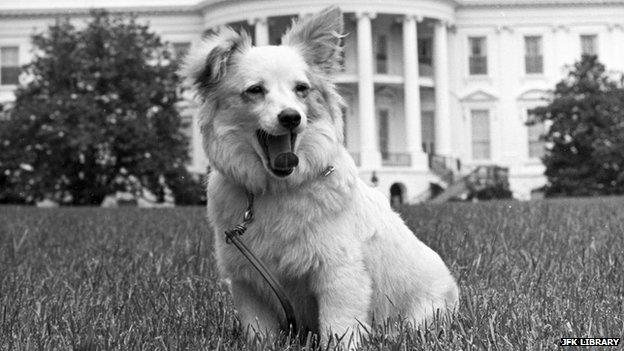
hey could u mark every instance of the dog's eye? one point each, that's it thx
(255, 90)
(302, 89)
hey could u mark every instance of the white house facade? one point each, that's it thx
(431, 85)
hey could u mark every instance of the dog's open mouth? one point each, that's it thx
(279, 151)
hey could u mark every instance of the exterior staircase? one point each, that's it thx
(446, 168)
(456, 184)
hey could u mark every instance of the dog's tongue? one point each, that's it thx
(280, 152)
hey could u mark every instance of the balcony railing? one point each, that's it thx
(396, 159)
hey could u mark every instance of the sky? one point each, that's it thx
(47, 4)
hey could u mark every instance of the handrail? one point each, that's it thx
(445, 167)
(480, 178)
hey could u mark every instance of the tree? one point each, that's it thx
(585, 153)
(99, 102)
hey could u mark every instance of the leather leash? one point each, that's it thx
(233, 237)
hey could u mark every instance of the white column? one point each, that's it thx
(567, 48)
(557, 54)
(370, 158)
(618, 40)
(442, 98)
(617, 54)
(411, 85)
(504, 141)
(261, 30)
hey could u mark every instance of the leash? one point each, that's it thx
(233, 235)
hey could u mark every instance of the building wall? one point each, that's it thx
(506, 91)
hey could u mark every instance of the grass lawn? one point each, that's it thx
(85, 278)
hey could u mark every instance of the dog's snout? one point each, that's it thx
(289, 118)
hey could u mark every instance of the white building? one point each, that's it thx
(452, 78)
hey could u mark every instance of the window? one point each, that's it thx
(480, 125)
(533, 58)
(384, 116)
(478, 57)
(425, 51)
(382, 54)
(341, 58)
(588, 45)
(536, 144)
(9, 65)
(180, 50)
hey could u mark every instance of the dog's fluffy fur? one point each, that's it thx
(335, 244)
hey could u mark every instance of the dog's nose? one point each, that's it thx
(289, 118)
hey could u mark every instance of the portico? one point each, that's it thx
(388, 104)
(370, 156)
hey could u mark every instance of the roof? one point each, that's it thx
(46, 7)
(533, 3)
(82, 4)
(10, 8)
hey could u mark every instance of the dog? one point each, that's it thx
(271, 122)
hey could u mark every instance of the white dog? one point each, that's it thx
(271, 124)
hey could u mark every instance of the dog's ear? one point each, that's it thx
(318, 38)
(207, 64)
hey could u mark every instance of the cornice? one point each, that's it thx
(202, 5)
(467, 4)
(143, 10)
(200, 8)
